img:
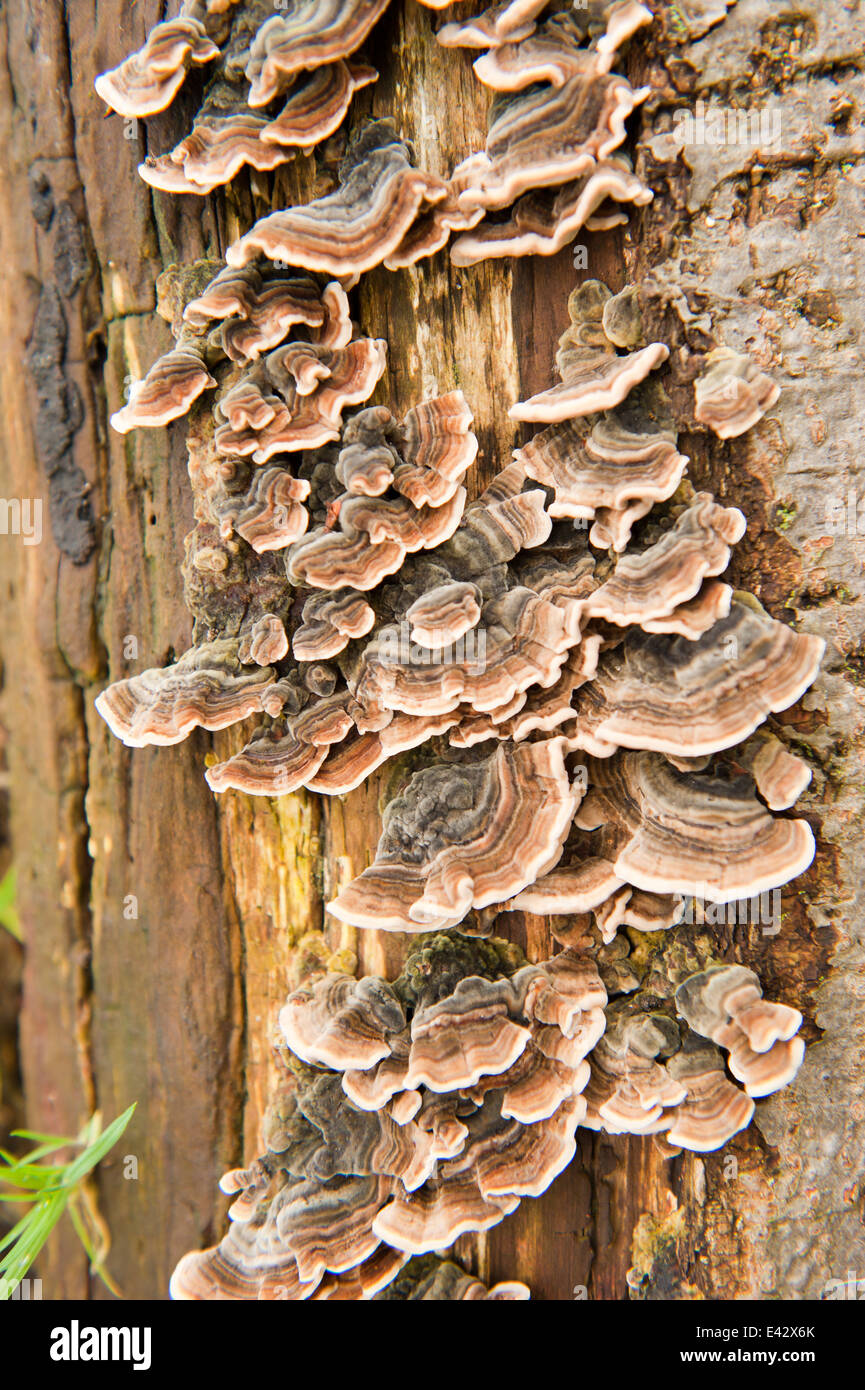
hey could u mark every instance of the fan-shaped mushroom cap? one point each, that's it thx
(329, 1224)
(432, 227)
(342, 1022)
(225, 136)
(546, 135)
(269, 515)
(542, 221)
(329, 624)
(697, 615)
(763, 1073)
(464, 1037)
(358, 225)
(732, 394)
(148, 80)
(260, 309)
(207, 688)
(329, 1135)
(437, 447)
(353, 761)
(294, 397)
(496, 528)
(512, 21)
(652, 583)
(725, 1003)
(570, 889)
(612, 474)
(550, 54)
(265, 643)
(695, 696)
(534, 1085)
(502, 1160)
(279, 759)
(444, 614)
(507, 22)
(282, 759)
(433, 1217)
(629, 1090)
(543, 710)
(367, 1280)
(692, 833)
(374, 536)
(593, 376)
(713, 1109)
(653, 911)
(167, 391)
(312, 33)
(457, 839)
(235, 1270)
(301, 1231)
(317, 105)
(526, 641)
(507, 1157)
(366, 534)
(780, 775)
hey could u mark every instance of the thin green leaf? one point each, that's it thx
(30, 1175)
(48, 1138)
(8, 913)
(50, 1189)
(94, 1154)
(11, 1236)
(38, 1225)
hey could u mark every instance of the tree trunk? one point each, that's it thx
(161, 922)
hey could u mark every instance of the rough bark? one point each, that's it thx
(174, 1008)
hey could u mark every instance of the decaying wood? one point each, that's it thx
(160, 921)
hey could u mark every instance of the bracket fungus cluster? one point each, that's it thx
(419, 1110)
(552, 162)
(592, 694)
(280, 79)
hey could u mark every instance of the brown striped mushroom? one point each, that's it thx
(725, 1003)
(357, 226)
(258, 309)
(611, 474)
(294, 397)
(732, 394)
(542, 221)
(594, 376)
(310, 34)
(167, 391)
(208, 688)
(695, 833)
(692, 696)
(149, 80)
(469, 822)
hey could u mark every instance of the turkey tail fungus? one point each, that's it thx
(511, 713)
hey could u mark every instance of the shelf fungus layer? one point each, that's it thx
(412, 1112)
(280, 80)
(597, 700)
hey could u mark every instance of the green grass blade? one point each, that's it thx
(37, 1227)
(95, 1152)
(55, 1139)
(8, 913)
(51, 1189)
